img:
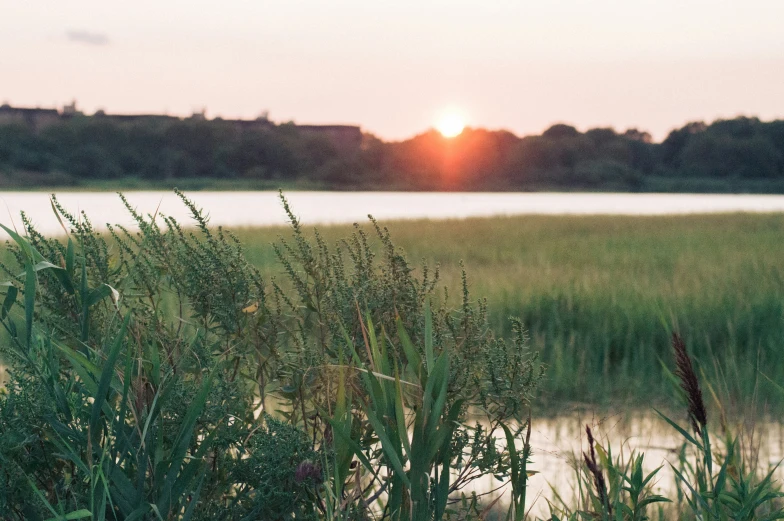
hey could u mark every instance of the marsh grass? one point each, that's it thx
(140, 365)
(599, 295)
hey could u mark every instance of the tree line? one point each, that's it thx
(741, 154)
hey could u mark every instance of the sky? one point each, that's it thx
(396, 67)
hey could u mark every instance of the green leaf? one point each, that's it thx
(41, 496)
(83, 291)
(101, 292)
(9, 301)
(30, 252)
(653, 499)
(30, 282)
(386, 445)
(412, 355)
(184, 437)
(514, 457)
(439, 377)
(69, 258)
(429, 338)
(695, 494)
(106, 378)
(194, 499)
(400, 414)
(61, 274)
(77, 514)
(337, 429)
(678, 428)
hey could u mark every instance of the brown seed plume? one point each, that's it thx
(690, 385)
(596, 472)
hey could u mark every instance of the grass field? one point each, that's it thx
(600, 295)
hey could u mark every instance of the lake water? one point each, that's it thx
(245, 209)
(558, 444)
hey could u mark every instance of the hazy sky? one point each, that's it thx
(393, 67)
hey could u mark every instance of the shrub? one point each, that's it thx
(140, 363)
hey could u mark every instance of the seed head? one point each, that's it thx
(598, 478)
(690, 385)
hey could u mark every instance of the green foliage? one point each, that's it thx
(597, 295)
(277, 478)
(133, 386)
(366, 328)
(156, 375)
(139, 365)
(741, 154)
(712, 484)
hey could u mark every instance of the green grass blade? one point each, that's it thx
(680, 429)
(337, 429)
(441, 375)
(69, 258)
(184, 437)
(400, 414)
(30, 252)
(429, 356)
(77, 514)
(106, 377)
(85, 308)
(514, 457)
(389, 449)
(414, 360)
(9, 301)
(29, 296)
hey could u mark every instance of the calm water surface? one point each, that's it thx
(244, 209)
(558, 444)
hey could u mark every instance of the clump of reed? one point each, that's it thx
(712, 483)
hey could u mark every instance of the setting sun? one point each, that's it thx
(451, 124)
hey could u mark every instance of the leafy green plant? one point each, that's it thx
(179, 385)
(417, 464)
(716, 488)
(408, 334)
(129, 396)
(611, 488)
(156, 375)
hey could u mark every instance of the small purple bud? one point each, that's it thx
(307, 470)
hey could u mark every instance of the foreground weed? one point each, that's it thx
(716, 486)
(154, 375)
(135, 372)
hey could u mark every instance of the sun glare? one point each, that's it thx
(451, 124)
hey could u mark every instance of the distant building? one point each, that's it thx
(346, 138)
(133, 118)
(36, 118)
(199, 115)
(244, 125)
(71, 110)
